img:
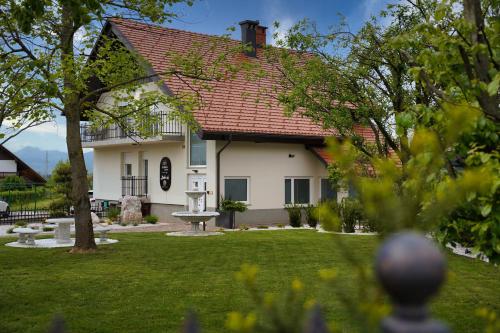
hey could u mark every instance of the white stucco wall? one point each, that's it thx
(8, 166)
(267, 165)
(108, 169)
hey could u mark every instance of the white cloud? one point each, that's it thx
(285, 23)
(50, 128)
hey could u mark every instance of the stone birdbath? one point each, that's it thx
(195, 217)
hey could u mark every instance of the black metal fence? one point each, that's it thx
(31, 203)
(135, 186)
(162, 124)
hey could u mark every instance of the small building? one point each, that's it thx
(244, 150)
(11, 165)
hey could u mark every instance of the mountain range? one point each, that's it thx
(44, 161)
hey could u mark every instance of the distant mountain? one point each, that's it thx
(44, 161)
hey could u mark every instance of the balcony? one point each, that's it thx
(134, 186)
(164, 130)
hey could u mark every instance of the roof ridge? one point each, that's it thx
(120, 20)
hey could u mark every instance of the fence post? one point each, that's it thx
(411, 269)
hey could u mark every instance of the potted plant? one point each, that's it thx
(229, 208)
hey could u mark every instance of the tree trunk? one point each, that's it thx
(83, 222)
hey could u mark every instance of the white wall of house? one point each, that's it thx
(267, 165)
(109, 165)
(8, 166)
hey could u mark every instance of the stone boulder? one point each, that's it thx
(95, 218)
(131, 210)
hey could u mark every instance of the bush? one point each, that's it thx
(262, 227)
(23, 196)
(59, 207)
(294, 215)
(10, 230)
(311, 215)
(152, 219)
(12, 183)
(228, 205)
(350, 213)
(113, 213)
(21, 223)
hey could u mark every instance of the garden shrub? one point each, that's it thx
(59, 207)
(12, 183)
(21, 223)
(350, 213)
(311, 215)
(294, 215)
(23, 196)
(151, 219)
(10, 230)
(262, 227)
(113, 213)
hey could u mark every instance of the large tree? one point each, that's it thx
(53, 39)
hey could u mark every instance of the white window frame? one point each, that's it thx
(247, 178)
(189, 154)
(292, 190)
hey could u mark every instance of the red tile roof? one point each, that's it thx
(322, 154)
(230, 106)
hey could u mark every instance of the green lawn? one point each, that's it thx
(148, 281)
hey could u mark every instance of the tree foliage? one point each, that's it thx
(52, 65)
(426, 85)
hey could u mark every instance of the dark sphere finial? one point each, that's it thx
(411, 269)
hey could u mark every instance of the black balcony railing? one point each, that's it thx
(135, 186)
(163, 125)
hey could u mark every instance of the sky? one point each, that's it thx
(214, 17)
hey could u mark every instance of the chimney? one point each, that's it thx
(252, 34)
(261, 36)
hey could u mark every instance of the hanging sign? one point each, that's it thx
(165, 173)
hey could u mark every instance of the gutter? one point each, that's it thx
(229, 140)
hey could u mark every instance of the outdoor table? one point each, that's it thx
(62, 234)
(26, 235)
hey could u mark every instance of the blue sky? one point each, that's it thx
(214, 17)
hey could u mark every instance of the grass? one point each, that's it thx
(147, 282)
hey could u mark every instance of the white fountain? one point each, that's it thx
(194, 216)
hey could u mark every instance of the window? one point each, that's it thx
(236, 189)
(297, 191)
(328, 190)
(197, 150)
(127, 170)
(146, 167)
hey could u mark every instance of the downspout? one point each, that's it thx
(218, 170)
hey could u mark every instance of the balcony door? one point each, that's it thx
(199, 182)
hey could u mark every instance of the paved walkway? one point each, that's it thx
(159, 227)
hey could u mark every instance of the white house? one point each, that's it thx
(245, 150)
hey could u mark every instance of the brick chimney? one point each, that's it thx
(252, 34)
(261, 36)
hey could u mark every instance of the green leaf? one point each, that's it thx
(494, 85)
(485, 210)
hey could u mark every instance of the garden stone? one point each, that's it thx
(95, 218)
(131, 210)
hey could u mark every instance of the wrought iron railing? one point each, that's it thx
(135, 186)
(163, 125)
